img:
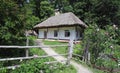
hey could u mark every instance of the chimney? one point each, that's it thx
(57, 12)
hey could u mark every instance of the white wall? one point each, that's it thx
(61, 33)
(50, 33)
(41, 33)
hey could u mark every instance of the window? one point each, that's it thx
(67, 33)
(81, 35)
(55, 33)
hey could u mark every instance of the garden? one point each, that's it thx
(36, 65)
(102, 45)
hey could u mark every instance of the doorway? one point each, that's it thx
(45, 34)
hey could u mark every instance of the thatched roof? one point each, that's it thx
(65, 19)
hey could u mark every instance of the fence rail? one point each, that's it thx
(47, 46)
(17, 66)
(30, 57)
(69, 54)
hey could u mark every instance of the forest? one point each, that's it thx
(101, 38)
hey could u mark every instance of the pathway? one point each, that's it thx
(50, 51)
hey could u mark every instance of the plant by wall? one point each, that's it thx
(103, 46)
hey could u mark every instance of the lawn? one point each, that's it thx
(35, 65)
(59, 49)
(61, 68)
(62, 50)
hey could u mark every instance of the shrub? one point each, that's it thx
(102, 45)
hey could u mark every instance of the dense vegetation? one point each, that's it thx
(103, 45)
(101, 16)
(16, 16)
(39, 65)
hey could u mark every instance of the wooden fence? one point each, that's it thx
(69, 54)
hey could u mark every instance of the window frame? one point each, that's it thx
(67, 33)
(55, 33)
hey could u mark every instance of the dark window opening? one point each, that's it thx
(55, 33)
(81, 34)
(67, 33)
(45, 34)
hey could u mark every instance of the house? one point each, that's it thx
(61, 26)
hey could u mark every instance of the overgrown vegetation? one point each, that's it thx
(101, 40)
(39, 65)
(103, 46)
(77, 50)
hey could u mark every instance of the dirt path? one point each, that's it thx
(50, 51)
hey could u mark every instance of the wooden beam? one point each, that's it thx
(77, 55)
(16, 66)
(46, 46)
(27, 44)
(10, 67)
(32, 57)
(70, 51)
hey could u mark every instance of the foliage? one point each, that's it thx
(42, 9)
(102, 44)
(101, 12)
(35, 66)
(16, 16)
(12, 23)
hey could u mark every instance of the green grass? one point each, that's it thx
(47, 42)
(35, 65)
(97, 71)
(63, 69)
(38, 51)
(94, 70)
(69, 69)
(62, 50)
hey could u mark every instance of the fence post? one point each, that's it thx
(70, 51)
(27, 43)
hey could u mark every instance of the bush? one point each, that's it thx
(102, 45)
(37, 65)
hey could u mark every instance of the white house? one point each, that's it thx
(61, 26)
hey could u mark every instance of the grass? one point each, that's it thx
(70, 69)
(62, 50)
(47, 42)
(94, 70)
(35, 65)
(38, 51)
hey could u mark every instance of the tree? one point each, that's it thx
(101, 12)
(42, 9)
(13, 26)
(105, 11)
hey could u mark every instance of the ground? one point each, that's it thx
(50, 51)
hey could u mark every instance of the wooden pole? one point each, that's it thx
(27, 43)
(70, 51)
